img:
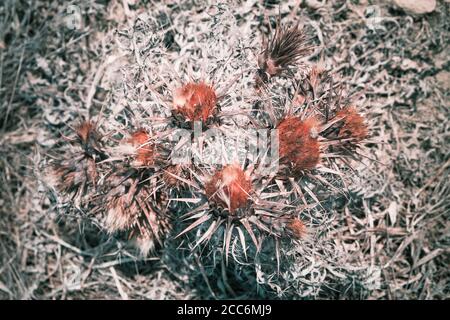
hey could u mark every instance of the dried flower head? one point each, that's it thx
(133, 205)
(353, 126)
(144, 149)
(296, 228)
(76, 173)
(195, 102)
(229, 187)
(72, 176)
(152, 227)
(298, 141)
(281, 51)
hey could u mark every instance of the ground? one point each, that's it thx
(395, 222)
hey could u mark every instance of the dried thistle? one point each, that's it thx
(133, 199)
(195, 102)
(230, 188)
(281, 51)
(134, 205)
(75, 174)
(299, 144)
(353, 125)
(238, 209)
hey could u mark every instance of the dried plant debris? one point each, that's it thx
(76, 175)
(108, 130)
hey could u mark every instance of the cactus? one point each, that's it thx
(136, 186)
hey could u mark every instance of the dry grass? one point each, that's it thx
(387, 238)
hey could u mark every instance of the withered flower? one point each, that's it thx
(281, 51)
(74, 174)
(133, 205)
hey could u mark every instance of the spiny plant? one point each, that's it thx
(281, 51)
(74, 175)
(136, 184)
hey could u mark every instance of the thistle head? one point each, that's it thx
(281, 51)
(134, 206)
(88, 137)
(353, 126)
(71, 176)
(229, 187)
(144, 150)
(74, 174)
(296, 228)
(299, 145)
(195, 102)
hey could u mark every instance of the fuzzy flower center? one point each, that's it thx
(229, 187)
(298, 142)
(195, 101)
